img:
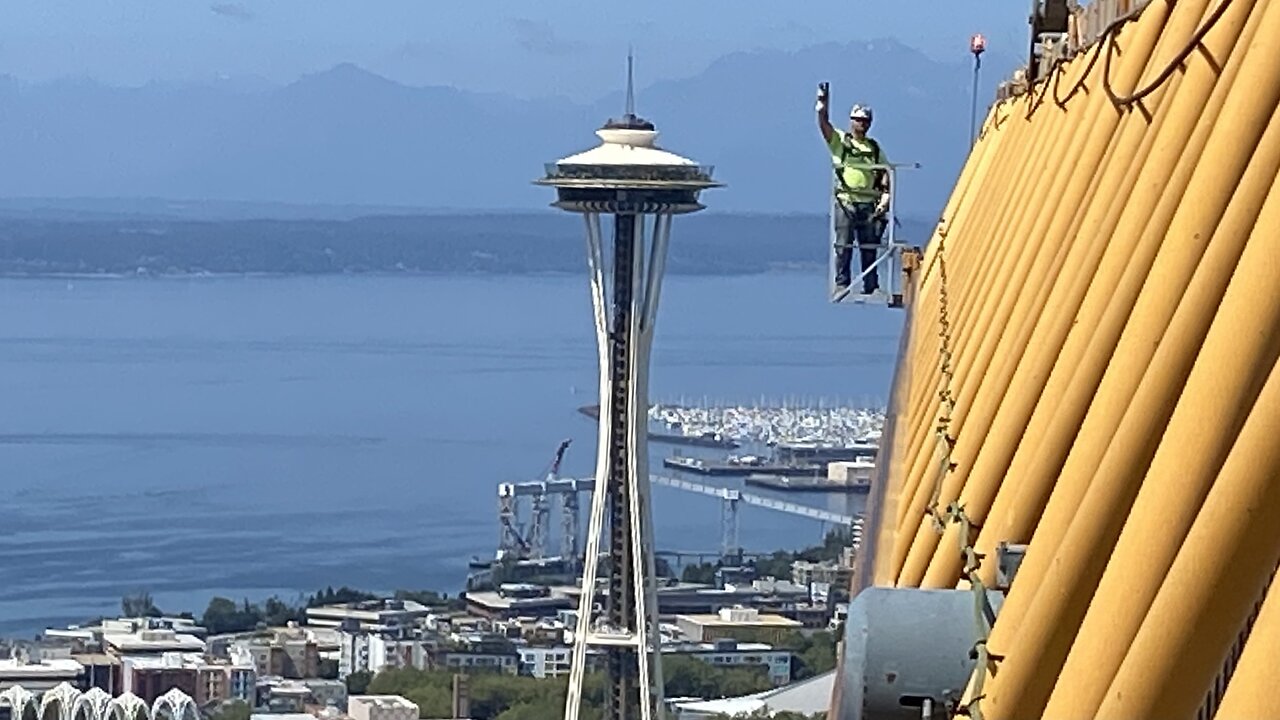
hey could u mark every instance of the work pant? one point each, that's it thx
(857, 224)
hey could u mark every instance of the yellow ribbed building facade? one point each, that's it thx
(1089, 370)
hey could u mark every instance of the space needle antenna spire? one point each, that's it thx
(631, 84)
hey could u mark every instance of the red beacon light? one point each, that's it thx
(977, 44)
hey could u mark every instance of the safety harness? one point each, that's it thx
(880, 182)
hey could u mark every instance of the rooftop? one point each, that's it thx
(60, 667)
(383, 701)
(183, 660)
(153, 641)
(741, 616)
(805, 697)
(493, 600)
(370, 610)
(710, 647)
(377, 605)
(95, 658)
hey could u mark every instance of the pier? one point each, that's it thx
(529, 539)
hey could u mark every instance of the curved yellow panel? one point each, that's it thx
(1090, 370)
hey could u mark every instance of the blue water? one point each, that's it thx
(252, 436)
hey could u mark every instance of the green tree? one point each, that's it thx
(541, 709)
(358, 682)
(432, 701)
(398, 681)
(426, 597)
(493, 693)
(277, 612)
(691, 677)
(234, 710)
(812, 654)
(777, 565)
(222, 616)
(139, 604)
(496, 696)
(342, 595)
(833, 544)
(703, 573)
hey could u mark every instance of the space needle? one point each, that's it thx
(643, 187)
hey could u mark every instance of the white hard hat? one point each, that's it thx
(859, 111)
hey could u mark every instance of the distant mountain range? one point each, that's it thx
(348, 137)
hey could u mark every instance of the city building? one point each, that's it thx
(101, 670)
(327, 693)
(368, 615)
(381, 707)
(768, 594)
(498, 605)
(280, 695)
(243, 675)
(811, 616)
(805, 573)
(76, 639)
(727, 652)
(206, 680)
(373, 651)
(288, 652)
(545, 662)
(37, 674)
(485, 652)
(181, 625)
(126, 640)
(150, 676)
(850, 472)
(739, 623)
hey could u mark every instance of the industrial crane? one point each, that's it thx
(514, 543)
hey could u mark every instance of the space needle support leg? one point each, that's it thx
(648, 612)
(637, 424)
(599, 497)
(644, 310)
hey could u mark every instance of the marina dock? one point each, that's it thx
(707, 439)
(806, 483)
(745, 465)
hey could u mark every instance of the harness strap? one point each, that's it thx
(845, 152)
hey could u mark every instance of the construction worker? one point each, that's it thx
(861, 194)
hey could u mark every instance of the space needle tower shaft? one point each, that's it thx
(642, 187)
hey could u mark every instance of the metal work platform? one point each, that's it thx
(888, 265)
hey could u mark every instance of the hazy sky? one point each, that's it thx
(567, 47)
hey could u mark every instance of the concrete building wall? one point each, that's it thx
(381, 707)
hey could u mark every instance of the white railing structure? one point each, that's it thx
(58, 703)
(21, 703)
(65, 702)
(175, 705)
(127, 707)
(91, 705)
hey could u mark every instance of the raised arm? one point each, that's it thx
(824, 121)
